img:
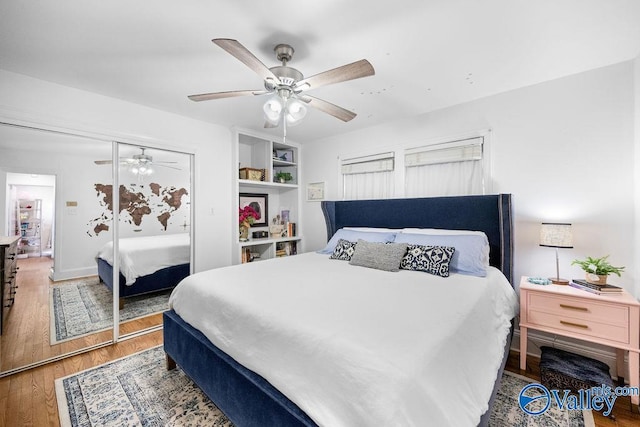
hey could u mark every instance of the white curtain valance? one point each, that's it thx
(375, 163)
(450, 152)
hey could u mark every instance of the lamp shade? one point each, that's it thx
(556, 235)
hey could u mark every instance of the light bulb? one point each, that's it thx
(296, 111)
(272, 109)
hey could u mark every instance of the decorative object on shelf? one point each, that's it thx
(597, 269)
(315, 191)
(283, 177)
(260, 234)
(283, 155)
(259, 203)
(556, 235)
(252, 174)
(247, 216)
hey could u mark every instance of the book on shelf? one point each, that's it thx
(596, 286)
(291, 229)
(603, 290)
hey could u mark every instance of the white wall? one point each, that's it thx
(27, 99)
(563, 148)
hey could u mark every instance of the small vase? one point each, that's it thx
(244, 233)
(597, 279)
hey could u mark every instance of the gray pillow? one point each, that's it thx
(382, 256)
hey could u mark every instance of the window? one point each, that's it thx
(368, 177)
(448, 169)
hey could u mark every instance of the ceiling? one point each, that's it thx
(428, 54)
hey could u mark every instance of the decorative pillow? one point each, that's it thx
(344, 250)
(472, 251)
(353, 236)
(431, 259)
(381, 256)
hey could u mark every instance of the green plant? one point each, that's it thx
(599, 266)
(283, 176)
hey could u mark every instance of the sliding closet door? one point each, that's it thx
(62, 222)
(154, 239)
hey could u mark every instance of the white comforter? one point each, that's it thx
(139, 256)
(353, 346)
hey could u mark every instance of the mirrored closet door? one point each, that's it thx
(49, 201)
(57, 198)
(154, 239)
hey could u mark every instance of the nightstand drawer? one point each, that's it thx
(577, 308)
(585, 327)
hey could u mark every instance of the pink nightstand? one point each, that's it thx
(563, 310)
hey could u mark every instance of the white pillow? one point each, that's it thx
(373, 229)
(442, 232)
(353, 236)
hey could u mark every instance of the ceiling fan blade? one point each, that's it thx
(268, 124)
(355, 70)
(166, 166)
(247, 58)
(329, 108)
(155, 163)
(231, 94)
(102, 162)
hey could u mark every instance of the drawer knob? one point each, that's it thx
(573, 307)
(577, 325)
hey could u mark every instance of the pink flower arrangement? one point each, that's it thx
(247, 216)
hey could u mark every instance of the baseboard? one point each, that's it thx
(72, 274)
(538, 339)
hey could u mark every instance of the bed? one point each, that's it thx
(147, 264)
(260, 367)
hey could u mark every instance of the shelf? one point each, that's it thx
(278, 162)
(264, 184)
(268, 241)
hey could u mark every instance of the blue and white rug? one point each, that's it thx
(85, 306)
(138, 391)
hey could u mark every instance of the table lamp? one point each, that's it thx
(556, 235)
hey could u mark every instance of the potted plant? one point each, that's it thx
(283, 177)
(597, 269)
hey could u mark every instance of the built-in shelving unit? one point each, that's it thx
(265, 159)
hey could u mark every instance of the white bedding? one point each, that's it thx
(353, 346)
(139, 256)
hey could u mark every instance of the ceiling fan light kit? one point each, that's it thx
(288, 104)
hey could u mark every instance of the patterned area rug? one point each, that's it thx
(85, 306)
(139, 391)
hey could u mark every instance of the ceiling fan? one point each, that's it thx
(288, 86)
(139, 164)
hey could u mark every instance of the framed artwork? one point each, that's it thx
(315, 191)
(259, 203)
(284, 155)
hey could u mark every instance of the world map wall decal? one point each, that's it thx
(138, 202)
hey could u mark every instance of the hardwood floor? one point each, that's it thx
(26, 336)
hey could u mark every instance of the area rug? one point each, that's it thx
(138, 391)
(85, 306)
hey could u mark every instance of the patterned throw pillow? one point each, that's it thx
(344, 250)
(431, 259)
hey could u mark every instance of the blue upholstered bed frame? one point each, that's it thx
(165, 278)
(249, 400)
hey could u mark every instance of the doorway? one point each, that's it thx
(31, 213)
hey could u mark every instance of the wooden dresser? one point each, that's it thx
(8, 273)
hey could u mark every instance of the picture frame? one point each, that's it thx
(284, 155)
(315, 191)
(260, 203)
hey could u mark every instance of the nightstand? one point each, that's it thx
(563, 310)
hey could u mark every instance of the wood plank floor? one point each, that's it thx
(26, 335)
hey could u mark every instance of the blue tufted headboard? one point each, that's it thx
(491, 214)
